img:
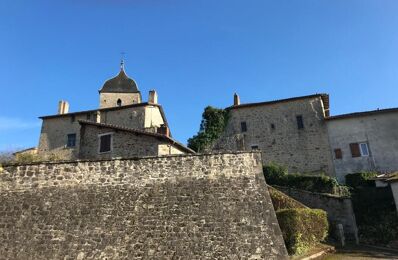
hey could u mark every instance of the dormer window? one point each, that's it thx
(119, 102)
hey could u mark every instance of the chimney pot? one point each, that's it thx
(153, 97)
(236, 100)
(63, 107)
(164, 130)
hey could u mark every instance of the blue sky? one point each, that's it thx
(194, 53)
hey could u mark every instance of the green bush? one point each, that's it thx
(278, 175)
(282, 201)
(361, 179)
(302, 228)
(212, 126)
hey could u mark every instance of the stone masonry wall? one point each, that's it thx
(178, 207)
(110, 99)
(124, 144)
(273, 129)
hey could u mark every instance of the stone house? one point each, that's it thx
(120, 106)
(105, 141)
(364, 141)
(291, 132)
(300, 134)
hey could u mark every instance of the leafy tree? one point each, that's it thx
(212, 126)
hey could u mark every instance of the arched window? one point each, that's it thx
(119, 102)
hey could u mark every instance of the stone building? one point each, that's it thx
(299, 133)
(290, 132)
(117, 141)
(364, 141)
(121, 107)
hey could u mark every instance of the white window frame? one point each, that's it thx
(99, 143)
(367, 148)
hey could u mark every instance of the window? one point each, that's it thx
(88, 116)
(243, 127)
(254, 147)
(364, 149)
(105, 143)
(72, 118)
(119, 102)
(359, 149)
(273, 126)
(300, 122)
(355, 152)
(71, 140)
(338, 154)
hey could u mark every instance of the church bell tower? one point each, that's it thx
(119, 91)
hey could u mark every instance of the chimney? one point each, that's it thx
(236, 100)
(63, 107)
(163, 130)
(153, 97)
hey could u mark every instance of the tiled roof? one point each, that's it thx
(120, 84)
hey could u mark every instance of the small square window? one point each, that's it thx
(243, 127)
(364, 149)
(273, 126)
(338, 154)
(105, 143)
(71, 140)
(300, 122)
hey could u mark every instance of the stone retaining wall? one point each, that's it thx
(175, 207)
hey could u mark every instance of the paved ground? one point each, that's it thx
(361, 252)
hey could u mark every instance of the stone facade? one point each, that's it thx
(272, 127)
(178, 207)
(125, 143)
(111, 99)
(55, 129)
(377, 129)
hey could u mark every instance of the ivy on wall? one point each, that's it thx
(212, 126)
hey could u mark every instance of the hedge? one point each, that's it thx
(278, 175)
(302, 228)
(361, 179)
(282, 201)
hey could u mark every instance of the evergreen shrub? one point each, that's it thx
(302, 228)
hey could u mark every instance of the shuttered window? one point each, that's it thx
(105, 143)
(355, 151)
(338, 154)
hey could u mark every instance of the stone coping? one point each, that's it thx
(130, 158)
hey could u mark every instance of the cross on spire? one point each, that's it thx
(122, 60)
